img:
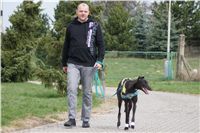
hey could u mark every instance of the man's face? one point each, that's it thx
(82, 12)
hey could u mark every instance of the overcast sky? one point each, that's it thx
(9, 6)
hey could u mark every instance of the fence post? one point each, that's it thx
(180, 55)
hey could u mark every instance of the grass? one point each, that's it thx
(21, 100)
(176, 86)
(118, 68)
(152, 70)
(194, 62)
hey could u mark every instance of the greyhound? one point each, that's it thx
(127, 91)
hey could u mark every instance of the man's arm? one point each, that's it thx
(100, 44)
(65, 50)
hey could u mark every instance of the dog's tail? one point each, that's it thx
(118, 88)
(117, 91)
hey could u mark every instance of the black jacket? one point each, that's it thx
(76, 49)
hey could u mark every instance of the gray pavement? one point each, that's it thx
(156, 112)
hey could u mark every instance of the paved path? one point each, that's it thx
(156, 112)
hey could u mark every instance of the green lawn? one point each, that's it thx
(20, 100)
(152, 70)
(176, 86)
(194, 62)
(118, 68)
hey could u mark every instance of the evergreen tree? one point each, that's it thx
(119, 29)
(159, 27)
(188, 15)
(141, 27)
(20, 40)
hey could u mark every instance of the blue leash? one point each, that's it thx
(98, 84)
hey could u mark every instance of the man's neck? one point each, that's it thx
(82, 20)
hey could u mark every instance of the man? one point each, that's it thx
(82, 55)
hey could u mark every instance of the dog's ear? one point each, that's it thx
(140, 77)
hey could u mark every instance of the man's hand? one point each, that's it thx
(65, 69)
(98, 66)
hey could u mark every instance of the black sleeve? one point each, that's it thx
(100, 44)
(66, 48)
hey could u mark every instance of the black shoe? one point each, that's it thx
(70, 123)
(86, 124)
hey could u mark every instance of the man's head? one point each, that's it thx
(82, 12)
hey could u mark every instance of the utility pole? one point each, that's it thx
(168, 62)
(169, 29)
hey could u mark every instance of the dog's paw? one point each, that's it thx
(118, 124)
(126, 127)
(132, 125)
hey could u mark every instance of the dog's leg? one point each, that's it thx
(126, 118)
(119, 112)
(133, 116)
(128, 107)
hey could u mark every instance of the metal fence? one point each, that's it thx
(141, 54)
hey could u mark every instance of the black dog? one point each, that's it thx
(127, 92)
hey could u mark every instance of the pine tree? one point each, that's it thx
(119, 29)
(141, 27)
(188, 15)
(20, 40)
(159, 27)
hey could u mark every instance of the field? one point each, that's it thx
(152, 69)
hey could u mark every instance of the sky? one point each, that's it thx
(9, 6)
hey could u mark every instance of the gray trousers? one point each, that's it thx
(75, 73)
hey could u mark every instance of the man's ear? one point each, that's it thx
(138, 78)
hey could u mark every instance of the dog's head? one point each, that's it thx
(142, 85)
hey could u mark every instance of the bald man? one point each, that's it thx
(82, 55)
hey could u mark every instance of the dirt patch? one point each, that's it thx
(31, 122)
